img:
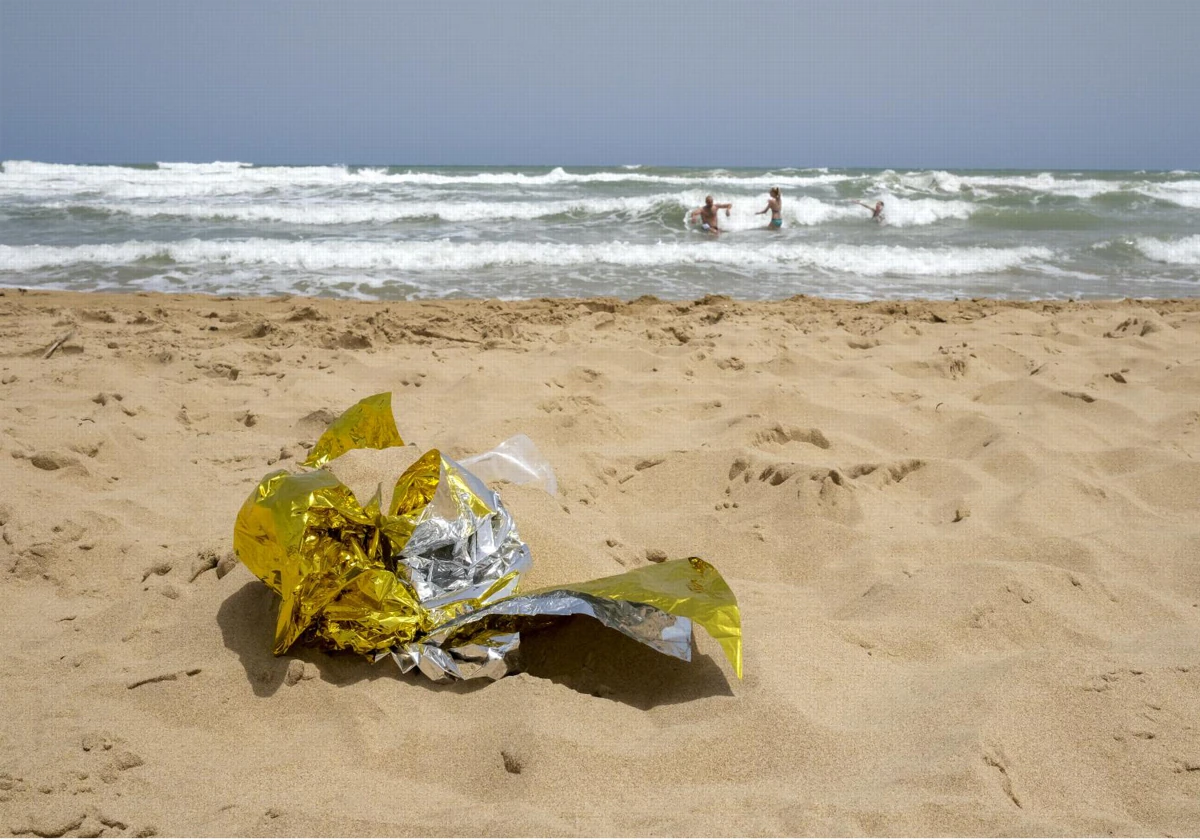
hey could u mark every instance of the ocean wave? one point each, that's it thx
(934, 180)
(441, 255)
(165, 181)
(1184, 251)
(219, 166)
(1043, 183)
(377, 212)
(1037, 220)
(804, 211)
(1180, 193)
(168, 179)
(898, 212)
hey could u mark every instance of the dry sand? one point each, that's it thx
(963, 535)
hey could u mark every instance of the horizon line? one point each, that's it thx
(553, 166)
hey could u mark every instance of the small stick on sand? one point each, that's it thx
(58, 343)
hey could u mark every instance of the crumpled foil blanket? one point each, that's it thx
(432, 578)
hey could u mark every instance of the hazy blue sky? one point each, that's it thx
(894, 83)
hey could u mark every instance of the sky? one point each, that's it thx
(1051, 84)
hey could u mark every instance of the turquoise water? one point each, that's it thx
(400, 232)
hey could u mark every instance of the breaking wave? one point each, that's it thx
(870, 260)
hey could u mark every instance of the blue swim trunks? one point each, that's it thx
(777, 223)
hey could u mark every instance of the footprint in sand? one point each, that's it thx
(993, 757)
(780, 434)
(819, 491)
(892, 473)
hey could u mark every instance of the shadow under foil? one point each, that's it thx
(576, 651)
(247, 622)
(584, 655)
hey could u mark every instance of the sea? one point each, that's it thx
(403, 233)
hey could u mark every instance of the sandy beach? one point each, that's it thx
(963, 535)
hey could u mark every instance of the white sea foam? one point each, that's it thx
(1184, 251)
(375, 212)
(1066, 273)
(232, 178)
(220, 166)
(806, 211)
(173, 180)
(905, 212)
(1180, 193)
(40, 179)
(193, 180)
(931, 181)
(897, 212)
(1046, 183)
(809, 211)
(803, 210)
(441, 255)
(554, 230)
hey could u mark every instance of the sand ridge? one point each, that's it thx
(963, 535)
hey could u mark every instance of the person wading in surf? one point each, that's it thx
(775, 205)
(708, 214)
(876, 211)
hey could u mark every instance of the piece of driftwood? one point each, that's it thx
(58, 343)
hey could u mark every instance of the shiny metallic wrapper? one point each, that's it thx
(432, 579)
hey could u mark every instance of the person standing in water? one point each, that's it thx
(708, 215)
(876, 211)
(775, 205)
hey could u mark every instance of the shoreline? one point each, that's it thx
(20, 292)
(962, 534)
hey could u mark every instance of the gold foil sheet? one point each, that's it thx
(432, 579)
(368, 424)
